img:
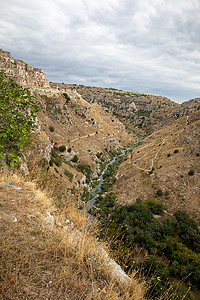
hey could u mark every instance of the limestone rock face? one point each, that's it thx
(24, 74)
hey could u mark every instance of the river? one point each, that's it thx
(97, 188)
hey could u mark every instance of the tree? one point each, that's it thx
(75, 158)
(17, 119)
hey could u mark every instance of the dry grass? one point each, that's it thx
(48, 253)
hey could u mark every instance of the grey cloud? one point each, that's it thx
(148, 46)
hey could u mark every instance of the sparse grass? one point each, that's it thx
(48, 253)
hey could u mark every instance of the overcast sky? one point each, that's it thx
(150, 46)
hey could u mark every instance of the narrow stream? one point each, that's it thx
(97, 188)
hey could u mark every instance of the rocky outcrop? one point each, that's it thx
(23, 73)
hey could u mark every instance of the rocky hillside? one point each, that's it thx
(141, 113)
(165, 165)
(79, 129)
(82, 137)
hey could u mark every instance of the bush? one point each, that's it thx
(191, 172)
(69, 150)
(168, 155)
(159, 192)
(55, 158)
(17, 119)
(66, 97)
(51, 128)
(62, 148)
(176, 151)
(75, 158)
(152, 170)
(156, 207)
(69, 175)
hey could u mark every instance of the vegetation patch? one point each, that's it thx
(69, 175)
(171, 246)
(17, 119)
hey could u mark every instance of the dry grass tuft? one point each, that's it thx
(48, 253)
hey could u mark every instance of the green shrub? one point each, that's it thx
(17, 119)
(168, 155)
(99, 154)
(58, 161)
(55, 158)
(191, 172)
(166, 193)
(51, 128)
(66, 97)
(75, 158)
(69, 175)
(159, 192)
(152, 170)
(156, 207)
(69, 150)
(62, 148)
(176, 151)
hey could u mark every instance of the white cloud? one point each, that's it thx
(148, 45)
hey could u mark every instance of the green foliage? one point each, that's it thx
(152, 170)
(168, 155)
(159, 192)
(145, 113)
(62, 148)
(86, 169)
(75, 158)
(177, 238)
(86, 196)
(188, 230)
(99, 154)
(69, 150)
(191, 172)
(69, 175)
(66, 97)
(176, 151)
(17, 115)
(156, 207)
(55, 158)
(51, 128)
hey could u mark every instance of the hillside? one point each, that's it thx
(48, 253)
(163, 161)
(141, 113)
(59, 138)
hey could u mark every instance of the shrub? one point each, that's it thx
(152, 170)
(168, 155)
(159, 192)
(17, 119)
(55, 158)
(176, 151)
(156, 207)
(51, 128)
(166, 193)
(69, 150)
(66, 97)
(58, 161)
(75, 158)
(69, 175)
(62, 148)
(191, 172)
(99, 154)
